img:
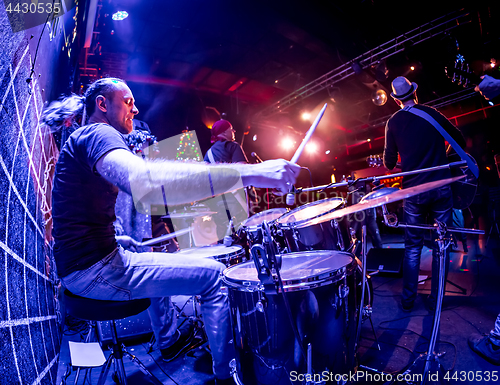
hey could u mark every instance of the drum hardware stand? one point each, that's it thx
(362, 308)
(269, 274)
(431, 357)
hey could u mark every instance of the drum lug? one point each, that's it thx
(343, 291)
(261, 305)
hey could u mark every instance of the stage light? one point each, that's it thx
(306, 116)
(333, 178)
(287, 143)
(311, 147)
(493, 63)
(327, 152)
(412, 68)
(120, 15)
(379, 97)
(254, 138)
(368, 140)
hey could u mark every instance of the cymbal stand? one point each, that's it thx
(364, 309)
(431, 357)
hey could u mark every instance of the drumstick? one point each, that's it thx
(297, 154)
(165, 237)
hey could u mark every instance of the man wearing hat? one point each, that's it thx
(420, 145)
(226, 150)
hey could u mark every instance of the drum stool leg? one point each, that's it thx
(116, 356)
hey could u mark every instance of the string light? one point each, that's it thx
(187, 149)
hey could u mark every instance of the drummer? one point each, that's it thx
(225, 149)
(420, 146)
(93, 165)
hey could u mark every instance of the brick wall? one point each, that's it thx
(29, 315)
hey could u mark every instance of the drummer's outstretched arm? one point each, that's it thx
(185, 182)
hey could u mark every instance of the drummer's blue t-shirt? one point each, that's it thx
(83, 202)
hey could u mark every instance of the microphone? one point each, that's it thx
(254, 154)
(290, 197)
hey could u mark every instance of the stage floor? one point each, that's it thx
(402, 336)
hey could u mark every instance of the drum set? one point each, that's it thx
(298, 294)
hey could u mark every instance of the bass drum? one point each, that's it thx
(321, 293)
(294, 234)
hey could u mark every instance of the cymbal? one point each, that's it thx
(381, 200)
(188, 214)
(379, 193)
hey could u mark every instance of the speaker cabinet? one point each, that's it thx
(386, 261)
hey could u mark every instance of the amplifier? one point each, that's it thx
(131, 328)
(386, 261)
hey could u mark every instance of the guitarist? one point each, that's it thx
(420, 145)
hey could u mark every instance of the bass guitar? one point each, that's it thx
(463, 190)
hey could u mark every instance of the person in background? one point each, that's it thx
(420, 145)
(488, 346)
(225, 149)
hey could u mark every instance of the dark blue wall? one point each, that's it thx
(29, 317)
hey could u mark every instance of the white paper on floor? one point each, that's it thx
(421, 279)
(86, 354)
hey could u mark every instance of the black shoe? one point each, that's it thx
(483, 346)
(182, 345)
(430, 304)
(407, 306)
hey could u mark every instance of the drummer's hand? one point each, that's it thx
(125, 241)
(277, 174)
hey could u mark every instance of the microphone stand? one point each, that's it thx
(371, 179)
(269, 274)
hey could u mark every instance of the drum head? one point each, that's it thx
(212, 251)
(268, 216)
(311, 210)
(300, 269)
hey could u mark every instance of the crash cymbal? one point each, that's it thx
(381, 200)
(188, 214)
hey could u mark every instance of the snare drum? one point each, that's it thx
(252, 227)
(228, 255)
(330, 235)
(321, 293)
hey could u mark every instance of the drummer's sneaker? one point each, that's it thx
(483, 346)
(184, 342)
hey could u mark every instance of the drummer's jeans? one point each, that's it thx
(422, 209)
(124, 275)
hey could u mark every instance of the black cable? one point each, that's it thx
(157, 364)
(382, 284)
(28, 80)
(310, 175)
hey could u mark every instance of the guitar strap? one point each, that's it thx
(424, 115)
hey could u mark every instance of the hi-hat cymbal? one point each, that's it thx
(381, 200)
(188, 214)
